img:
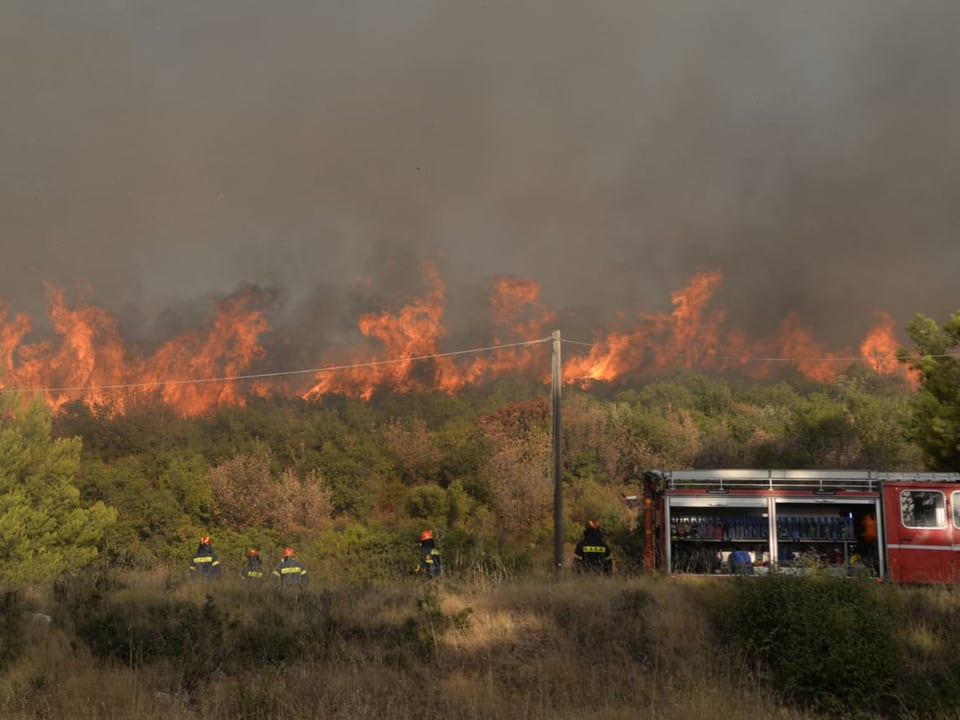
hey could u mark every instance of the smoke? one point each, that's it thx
(156, 155)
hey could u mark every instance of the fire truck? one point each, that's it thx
(896, 527)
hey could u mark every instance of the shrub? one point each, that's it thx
(248, 494)
(471, 554)
(11, 628)
(360, 554)
(930, 633)
(138, 632)
(427, 502)
(827, 644)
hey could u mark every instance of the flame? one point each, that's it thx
(415, 331)
(227, 349)
(516, 305)
(879, 351)
(692, 335)
(402, 350)
(93, 362)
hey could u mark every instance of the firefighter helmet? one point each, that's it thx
(426, 535)
(205, 540)
(253, 552)
(592, 525)
(288, 552)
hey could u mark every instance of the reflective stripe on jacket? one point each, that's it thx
(290, 572)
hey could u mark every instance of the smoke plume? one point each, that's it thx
(159, 155)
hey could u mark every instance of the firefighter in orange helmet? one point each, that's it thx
(431, 563)
(254, 567)
(592, 554)
(205, 563)
(290, 572)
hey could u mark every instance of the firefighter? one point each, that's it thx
(740, 562)
(868, 541)
(254, 567)
(592, 553)
(290, 572)
(205, 563)
(431, 564)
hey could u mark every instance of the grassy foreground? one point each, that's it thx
(156, 646)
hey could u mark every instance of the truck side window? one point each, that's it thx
(923, 509)
(955, 504)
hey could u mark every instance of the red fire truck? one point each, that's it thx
(898, 527)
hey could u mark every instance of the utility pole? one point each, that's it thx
(557, 457)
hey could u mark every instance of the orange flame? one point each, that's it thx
(415, 332)
(688, 336)
(403, 351)
(879, 351)
(411, 333)
(692, 336)
(92, 361)
(227, 349)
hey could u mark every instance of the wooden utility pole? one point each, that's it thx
(557, 457)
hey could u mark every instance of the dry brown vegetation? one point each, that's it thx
(541, 647)
(247, 493)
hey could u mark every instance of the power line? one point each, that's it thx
(420, 358)
(283, 373)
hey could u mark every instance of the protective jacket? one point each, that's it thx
(253, 569)
(205, 563)
(592, 554)
(431, 564)
(291, 572)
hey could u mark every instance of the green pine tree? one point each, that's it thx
(935, 413)
(44, 528)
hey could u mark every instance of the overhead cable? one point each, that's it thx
(283, 373)
(432, 356)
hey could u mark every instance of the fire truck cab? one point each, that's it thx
(902, 527)
(922, 541)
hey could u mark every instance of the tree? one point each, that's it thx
(44, 527)
(934, 420)
(519, 465)
(415, 448)
(249, 494)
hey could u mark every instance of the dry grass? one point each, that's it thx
(537, 648)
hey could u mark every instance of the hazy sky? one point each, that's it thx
(156, 154)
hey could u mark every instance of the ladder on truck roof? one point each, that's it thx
(827, 480)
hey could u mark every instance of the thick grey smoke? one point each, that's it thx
(158, 154)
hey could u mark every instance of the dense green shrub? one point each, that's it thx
(11, 627)
(141, 630)
(427, 502)
(826, 644)
(78, 596)
(359, 554)
(468, 554)
(188, 635)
